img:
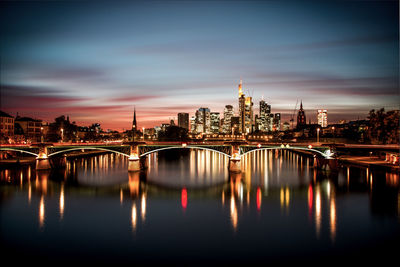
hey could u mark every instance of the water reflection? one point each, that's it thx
(276, 186)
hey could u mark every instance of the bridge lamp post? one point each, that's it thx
(333, 130)
(41, 134)
(318, 129)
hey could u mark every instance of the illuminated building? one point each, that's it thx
(265, 122)
(32, 129)
(248, 115)
(6, 124)
(183, 120)
(322, 117)
(301, 117)
(242, 101)
(245, 111)
(193, 124)
(277, 122)
(228, 114)
(203, 120)
(214, 122)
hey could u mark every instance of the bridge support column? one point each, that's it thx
(234, 161)
(235, 166)
(42, 161)
(133, 165)
(326, 164)
(43, 164)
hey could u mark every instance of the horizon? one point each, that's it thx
(95, 61)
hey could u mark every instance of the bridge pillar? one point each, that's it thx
(234, 161)
(134, 160)
(43, 164)
(42, 161)
(326, 164)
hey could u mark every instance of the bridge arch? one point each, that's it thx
(325, 155)
(184, 147)
(85, 148)
(19, 150)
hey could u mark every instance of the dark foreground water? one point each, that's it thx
(187, 208)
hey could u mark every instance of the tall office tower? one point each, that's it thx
(228, 114)
(277, 122)
(242, 111)
(322, 117)
(301, 117)
(183, 120)
(214, 122)
(265, 110)
(203, 124)
(193, 129)
(248, 116)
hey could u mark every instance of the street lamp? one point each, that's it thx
(318, 129)
(41, 134)
(143, 132)
(62, 135)
(333, 130)
(232, 132)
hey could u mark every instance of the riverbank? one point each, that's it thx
(370, 162)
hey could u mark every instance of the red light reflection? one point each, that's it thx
(258, 198)
(184, 198)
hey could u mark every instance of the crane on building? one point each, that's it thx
(294, 111)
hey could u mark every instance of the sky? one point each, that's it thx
(96, 60)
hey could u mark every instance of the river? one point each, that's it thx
(187, 208)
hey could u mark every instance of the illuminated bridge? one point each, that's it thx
(137, 151)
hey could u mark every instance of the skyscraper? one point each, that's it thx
(301, 117)
(248, 116)
(322, 117)
(277, 122)
(193, 129)
(228, 114)
(242, 103)
(203, 120)
(183, 120)
(265, 111)
(214, 122)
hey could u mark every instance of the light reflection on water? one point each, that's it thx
(278, 192)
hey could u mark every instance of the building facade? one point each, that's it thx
(228, 114)
(214, 122)
(322, 117)
(183, 120)
(32, 129)
(203, 123)
(6, 124)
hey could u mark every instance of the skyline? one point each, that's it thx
(96, 61)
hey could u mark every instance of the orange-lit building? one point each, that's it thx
(6, 124)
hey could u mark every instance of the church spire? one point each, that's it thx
(134, 125)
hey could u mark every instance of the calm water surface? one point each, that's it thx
(188, 208)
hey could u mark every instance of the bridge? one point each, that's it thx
(136, 152)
